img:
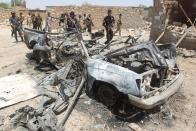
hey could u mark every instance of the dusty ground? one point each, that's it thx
(90, 115)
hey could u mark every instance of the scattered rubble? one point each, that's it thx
(29, 119)
(186, 53)
(134, 127)
(61, 91)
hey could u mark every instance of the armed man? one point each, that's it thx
(39, 22)
(16, 25)
(108, 23)
(72, 22)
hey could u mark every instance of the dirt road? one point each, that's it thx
(90, 115)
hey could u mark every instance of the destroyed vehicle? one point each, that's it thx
(55, 47)
(147, 74)
(50, 49)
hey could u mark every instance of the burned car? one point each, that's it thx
(55, 48)
(146, 73)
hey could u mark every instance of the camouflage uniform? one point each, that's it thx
(89, 24)
(80, 21)
(38, 20)
(119, 24)
(16, 26)
(62, 20)
(108, 23)
(21, 19)
(33, 21)
(84, 23)
(72, 22)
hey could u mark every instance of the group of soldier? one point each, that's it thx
(17, 23)
(68, 21)
(34, 21)
(72, 22)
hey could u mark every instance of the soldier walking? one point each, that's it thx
(16, 25)
(108, 23)
(119, 25)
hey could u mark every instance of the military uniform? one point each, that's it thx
(89, 24)
(72, 22)
(16, 26)
(29, 22)
(62, 24)
(33, 21)
(62, 20)
(108, 23)
(84, 23)
(21, 19)
(119, 24)
(38, 20)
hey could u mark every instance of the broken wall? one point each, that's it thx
(174, 33)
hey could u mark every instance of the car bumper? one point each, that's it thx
(156, 100)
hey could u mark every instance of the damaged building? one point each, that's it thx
(172, 22)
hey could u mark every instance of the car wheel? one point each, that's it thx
(107, 95)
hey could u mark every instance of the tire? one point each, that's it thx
(107, 95)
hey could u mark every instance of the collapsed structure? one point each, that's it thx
(172, 20)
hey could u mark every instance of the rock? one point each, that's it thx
(18, 71)
(88, 102)
(134, 127)
(99, 116)
(186, 53)
(99, 127)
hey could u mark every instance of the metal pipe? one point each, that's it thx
(73, 102)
